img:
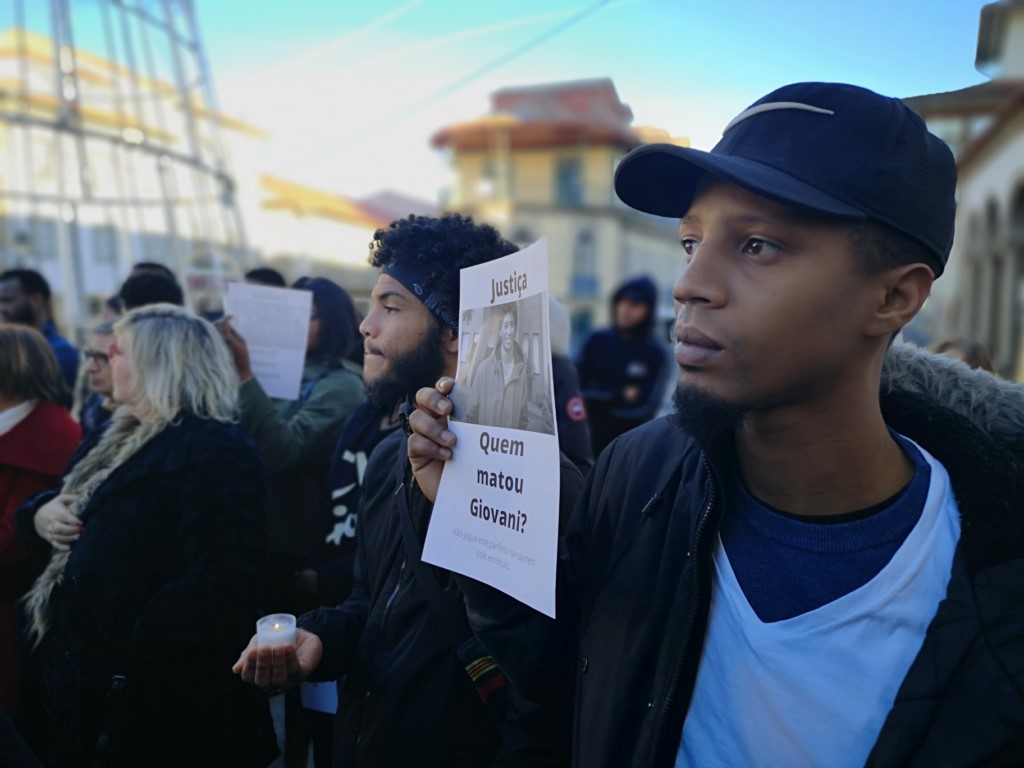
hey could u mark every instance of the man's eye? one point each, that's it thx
(389, 310)
(689, 245)
(758, 247)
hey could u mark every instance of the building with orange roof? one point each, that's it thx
(541, 164)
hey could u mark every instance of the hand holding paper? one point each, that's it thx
(493, 517)
(431, 443)
(237, 346)
(267, 331)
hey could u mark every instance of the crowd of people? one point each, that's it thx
(816, 559)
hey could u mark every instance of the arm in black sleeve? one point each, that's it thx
(534, 651)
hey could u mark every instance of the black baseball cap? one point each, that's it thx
(834, 149)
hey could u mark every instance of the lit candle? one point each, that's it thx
(275, 629)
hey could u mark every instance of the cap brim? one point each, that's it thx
(661, 179)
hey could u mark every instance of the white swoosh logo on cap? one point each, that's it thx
(771, 107)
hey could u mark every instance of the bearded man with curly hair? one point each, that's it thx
(418, 688)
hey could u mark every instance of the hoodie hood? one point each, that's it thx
(642, 290)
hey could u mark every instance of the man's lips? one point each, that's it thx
(695, 348)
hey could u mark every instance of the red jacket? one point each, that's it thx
(32, 457)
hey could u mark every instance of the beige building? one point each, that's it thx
(541, 164)
(981, 295)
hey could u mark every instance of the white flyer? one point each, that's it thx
(275, 325)
(320, 697)
(496, 514)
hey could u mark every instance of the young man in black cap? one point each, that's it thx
(795, 571)
(419, 689)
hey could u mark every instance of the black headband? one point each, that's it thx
(415, 279)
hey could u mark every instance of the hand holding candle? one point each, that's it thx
(276, 629)
(285, 659)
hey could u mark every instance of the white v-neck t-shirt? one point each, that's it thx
(815, 689)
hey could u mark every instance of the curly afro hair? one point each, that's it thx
(440, 247)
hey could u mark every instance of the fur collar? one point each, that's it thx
(973, 423)
(993, 405)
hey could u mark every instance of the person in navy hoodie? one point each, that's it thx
(625, 372)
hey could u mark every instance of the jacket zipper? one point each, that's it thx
(398, 583)
(394, 595)
(383, 629)
(690, 619)
(383, 624)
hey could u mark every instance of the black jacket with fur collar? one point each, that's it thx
(634, 587)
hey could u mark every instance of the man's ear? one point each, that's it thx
(904, 291)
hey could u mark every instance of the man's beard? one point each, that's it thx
(421, 366)
(703, 415)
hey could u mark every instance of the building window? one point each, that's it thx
(581, 323)
(523, 236)
(569, 181)
(584, 282)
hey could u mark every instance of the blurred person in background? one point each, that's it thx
(296, 439)
(570, 410)
(153, 268)
(25, 299)
(150, 286)
(625, 373)
(113, 308)
(156, 542)
(968, 351)
(265, 276)
(37, 437)
(99, 404)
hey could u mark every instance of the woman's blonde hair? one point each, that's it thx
(179, 363)
(28, 367)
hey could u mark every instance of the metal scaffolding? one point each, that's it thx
(111, 148)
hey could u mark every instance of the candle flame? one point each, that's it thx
(277, 627)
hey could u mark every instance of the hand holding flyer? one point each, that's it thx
(275, 324)
(496, 514)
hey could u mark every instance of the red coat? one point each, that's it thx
(32, 457)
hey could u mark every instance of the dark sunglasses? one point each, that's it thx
(99, 357)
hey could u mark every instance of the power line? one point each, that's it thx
(482, 70)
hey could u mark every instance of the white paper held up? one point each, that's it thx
(275, 324)
(496, 514)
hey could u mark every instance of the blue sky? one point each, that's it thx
(351, 91)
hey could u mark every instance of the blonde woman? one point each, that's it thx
(157, 542)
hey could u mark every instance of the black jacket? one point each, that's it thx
(635, 582)
(161, 587)
(407, 698)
